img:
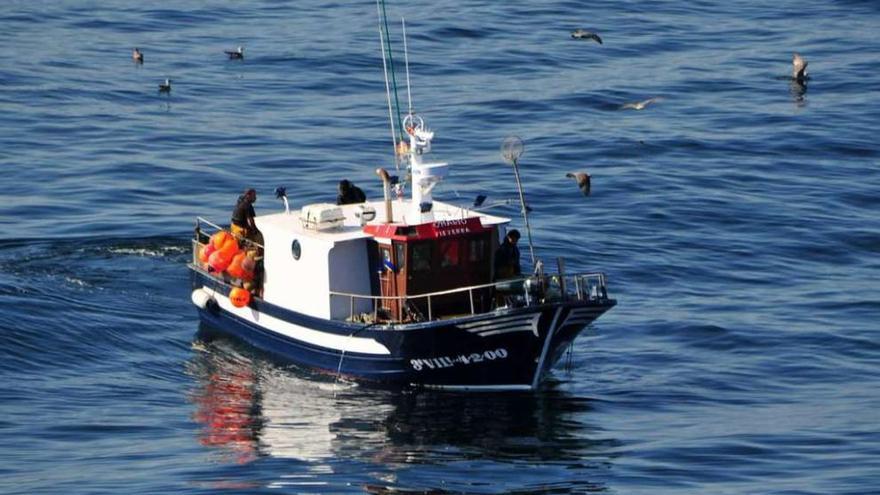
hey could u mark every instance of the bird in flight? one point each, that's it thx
(583, 34)
(583, 181)
(640, 105)
(798, 68)
(236, 54)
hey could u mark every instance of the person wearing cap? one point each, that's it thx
(507, 257)
(243, 225)
(349, 193)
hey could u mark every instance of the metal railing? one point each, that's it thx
(216, 228)
(518, 292)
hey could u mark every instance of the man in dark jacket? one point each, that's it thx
(349, 193)
(507, 257)
(243, 224)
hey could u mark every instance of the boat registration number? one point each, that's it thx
(461, 359)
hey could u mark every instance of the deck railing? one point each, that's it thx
(516, 292)
(201, 237)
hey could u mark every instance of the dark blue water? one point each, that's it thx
(737, 220)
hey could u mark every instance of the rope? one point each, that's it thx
(342, 356)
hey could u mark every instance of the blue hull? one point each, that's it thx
(510, 349)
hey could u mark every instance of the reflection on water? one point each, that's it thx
(250, 409)
(798, 90)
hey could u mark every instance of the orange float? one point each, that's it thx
(218, 261)
(206, 252)
(239, 297)
(249, 263)
(220, 238)
(237, 267)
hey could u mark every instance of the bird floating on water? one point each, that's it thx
(640, 105)
(798, 68)
(137, 56)
(165, 87)
(583, 34)
(236, 54)
(583, 181)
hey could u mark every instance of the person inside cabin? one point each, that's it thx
(507, 257)
(349, 193)
(243, 224)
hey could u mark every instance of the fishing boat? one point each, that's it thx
(400, 291)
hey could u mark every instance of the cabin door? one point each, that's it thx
(392, 278)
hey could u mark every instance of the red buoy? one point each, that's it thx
(239, 297)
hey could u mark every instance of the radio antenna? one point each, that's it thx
(406, 62)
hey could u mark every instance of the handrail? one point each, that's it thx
(430, 294)
(589, 286)
(201, 220)
(597, 275)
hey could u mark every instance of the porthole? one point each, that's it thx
(296, 249)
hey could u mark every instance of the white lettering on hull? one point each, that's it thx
(441, 362)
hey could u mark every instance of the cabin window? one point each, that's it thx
(449, 255)
(421, 257)
(400, 255)
(296, 249)
(477, 251)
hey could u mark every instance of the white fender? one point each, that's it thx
(202, 299)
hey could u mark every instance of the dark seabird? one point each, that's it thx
(583, 181)
(798, 68)
(137, 56)
(640, 105)
(165, 87)
(236, 54)
(583, 34)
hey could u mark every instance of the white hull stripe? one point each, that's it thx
(580, 317)
(547, 339)
(527, 323)
(303, 334)
(496, 321)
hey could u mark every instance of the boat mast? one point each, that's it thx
(406, 62)
(383, 19)
(382, 38)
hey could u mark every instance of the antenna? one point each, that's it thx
(511, 150)
(406, 62)
(382, 36)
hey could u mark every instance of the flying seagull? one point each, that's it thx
(583, 181)
(583, 34)
(165, 87)
(137, 56)
(798, 68)
(640, 105)
(236, 54)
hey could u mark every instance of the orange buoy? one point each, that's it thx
(218, 261)
(230, 249)
(237, 267)
(239, 297)
(206, 251)
(220, 238)
(249, 263)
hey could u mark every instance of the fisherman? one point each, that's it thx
(349, 193)
(243, 225)
(507, 257)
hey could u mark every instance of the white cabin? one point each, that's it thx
(308, 253)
